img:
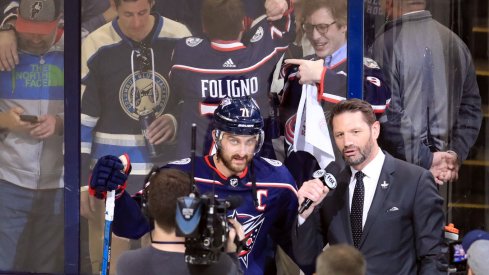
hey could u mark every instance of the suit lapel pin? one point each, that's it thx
(384, 185)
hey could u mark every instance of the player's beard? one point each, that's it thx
(364, 153)
(228, 162)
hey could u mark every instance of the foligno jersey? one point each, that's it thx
(204, 72)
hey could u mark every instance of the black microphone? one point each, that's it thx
(327, 177)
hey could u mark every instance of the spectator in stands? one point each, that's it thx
(432, 78)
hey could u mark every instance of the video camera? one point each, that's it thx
(202, 220)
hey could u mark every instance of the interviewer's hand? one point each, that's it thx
(310, 71)
(314, 190)
(235, 231)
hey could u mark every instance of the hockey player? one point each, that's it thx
(205, 70)
(325, 27)
(125, 64)
(268, 190)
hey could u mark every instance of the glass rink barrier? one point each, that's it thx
(96, 96)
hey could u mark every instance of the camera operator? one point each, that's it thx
(266, 187)
(165, 255)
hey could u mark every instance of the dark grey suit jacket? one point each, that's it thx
(403, 233)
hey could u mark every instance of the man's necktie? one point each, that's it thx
(356, 212)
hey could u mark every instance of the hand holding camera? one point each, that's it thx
(236, 237)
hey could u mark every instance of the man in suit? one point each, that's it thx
(396, 215)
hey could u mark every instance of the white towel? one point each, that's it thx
(311, 132)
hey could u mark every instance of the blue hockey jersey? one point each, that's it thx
(204, 72)
(115, 90)
(273, 218)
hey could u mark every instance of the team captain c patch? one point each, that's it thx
(144, 98)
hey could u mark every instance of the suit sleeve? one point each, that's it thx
(307, 239)
(428, 226)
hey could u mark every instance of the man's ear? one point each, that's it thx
(214, 138)
(376, 129)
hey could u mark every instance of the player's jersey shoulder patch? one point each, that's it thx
(370, 63)
(273, 162)
(193, 41)
(258, 35)
(181, 162)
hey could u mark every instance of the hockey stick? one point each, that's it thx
(109, 217)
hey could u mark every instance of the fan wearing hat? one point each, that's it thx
(476, 246)
(37, 25)
(31, 142)
(40, 17)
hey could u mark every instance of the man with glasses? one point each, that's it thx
(325, 27)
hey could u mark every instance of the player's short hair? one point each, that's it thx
(340, 259)
(119, 2)
(165, 187)
(354, 105)
(222, 19)
(338, 9)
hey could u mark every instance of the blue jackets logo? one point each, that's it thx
(139, 97)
